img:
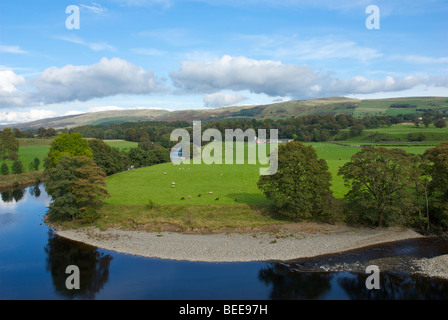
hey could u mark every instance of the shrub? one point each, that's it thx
(4, 170)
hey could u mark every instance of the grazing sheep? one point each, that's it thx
(164, 173)
(217, 199)
(210, 192)
(183, 198)
(199, 195)
(189, 197)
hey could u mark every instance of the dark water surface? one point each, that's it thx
(33, 262)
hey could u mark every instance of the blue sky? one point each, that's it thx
(185, 54)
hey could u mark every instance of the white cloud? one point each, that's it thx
(28, 116)
(11, 49)
(219, 99)
(276, 79)
(240, 73)
(95, 8)
(294, 47)
(10, 95)
(95, 46)
(104, 108)
(109, 77)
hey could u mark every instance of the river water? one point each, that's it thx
(33, 261)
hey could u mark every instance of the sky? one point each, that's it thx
(199, 54)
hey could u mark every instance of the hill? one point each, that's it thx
(334, 105)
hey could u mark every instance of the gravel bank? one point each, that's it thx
(284, 244)
(436, 267)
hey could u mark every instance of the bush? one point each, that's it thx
(88, 216)
(416, 136)
(440, 123)
(4, 170)
(17, 167)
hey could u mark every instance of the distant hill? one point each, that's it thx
(334, 105)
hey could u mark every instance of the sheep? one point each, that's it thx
(189, 197)
(183, 198)
(216, 199)
(199, 195)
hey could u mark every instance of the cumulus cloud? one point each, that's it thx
(109, 77)
(10, 95)
(240, 73)
(25, 116)
(274, 78)
(219, 99)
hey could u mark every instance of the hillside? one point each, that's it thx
(333, 105)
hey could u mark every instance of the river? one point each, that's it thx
(33, 262)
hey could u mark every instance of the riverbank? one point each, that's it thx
(14, 181)
(286, 242)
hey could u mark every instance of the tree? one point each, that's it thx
(34, 165)
(110, 159)
(427, 121)
(41, 132)
(301, 187)
(76, 185)
(17, 167)
(379, 182)
(4, 170)
(70, 144)
(437, 171)
(8, 143)
(356, 130)
(440, 123)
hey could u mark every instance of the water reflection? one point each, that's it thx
(16, 195)
(289, 284)
(13, 195)
(93, 265)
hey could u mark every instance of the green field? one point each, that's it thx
(399, 133)
(122, 144)
(227, 182)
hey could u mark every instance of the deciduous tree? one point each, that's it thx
(301, 187)
(379, 182)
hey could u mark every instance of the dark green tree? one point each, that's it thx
(440, 123)
(4, 170)
(17, 167)
(380, 181)
(111, 160)
(76, 185)
(300, 188)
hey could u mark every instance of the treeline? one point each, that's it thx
(387, 187)
(304, 128)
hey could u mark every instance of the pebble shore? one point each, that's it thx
(250, 246)
(232, 247)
